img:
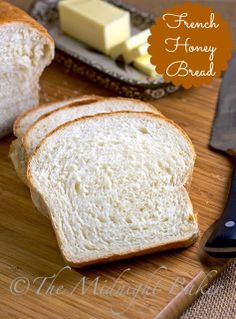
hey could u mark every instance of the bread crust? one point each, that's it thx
(17, 155)
(11, 14)
(149, 250)
(138, 252)
(17, 122)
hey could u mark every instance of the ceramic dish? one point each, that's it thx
(78, 57)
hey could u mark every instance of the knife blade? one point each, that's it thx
(223, 136)
(222, 241)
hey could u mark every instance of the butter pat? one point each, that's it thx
(143, 64)
(94, 22)
(137, 40)
(132, 43)
(130, 56)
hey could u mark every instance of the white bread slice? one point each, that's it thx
(25, 120)
(52, 120)
(26, 49)
(49, 121)
(28, 117)
(46, 124)
(114, 186)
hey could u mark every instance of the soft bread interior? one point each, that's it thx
(114, 185)
(24, 53)
(45, 125)
(45, 122)
(25, 120)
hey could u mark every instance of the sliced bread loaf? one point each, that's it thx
(26, 49)
(52, 120)
(114, 186)
(28, 117)
(35, 132)
(25, 120)
(46, 124)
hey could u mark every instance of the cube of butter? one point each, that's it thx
(143, 64)
(137, 40)
(130, 44)
(130, 56)
(94, 22)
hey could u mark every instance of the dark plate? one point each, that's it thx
(111, 71)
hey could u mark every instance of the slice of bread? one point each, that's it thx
(43, 125)
(26, 49)
(52, 120)
(25, 120)
(114, 186)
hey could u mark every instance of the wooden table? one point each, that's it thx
(29, 249)
(138, 288)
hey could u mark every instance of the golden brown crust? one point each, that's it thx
(22, 115)
(33, 109)
(137, 101)
(153, 249)
(12, 14)
(18, 155)
(67, 106)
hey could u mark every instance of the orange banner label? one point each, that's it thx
(190, 44)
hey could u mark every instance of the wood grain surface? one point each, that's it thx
(33, 280)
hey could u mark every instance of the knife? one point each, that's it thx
(222, 241)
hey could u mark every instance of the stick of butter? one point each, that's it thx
(130, 56)
(95, 22)
(130, 44)
(143, 64)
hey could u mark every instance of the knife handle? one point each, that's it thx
(222, 242)
(228, 218)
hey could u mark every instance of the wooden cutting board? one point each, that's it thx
(33, 280)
